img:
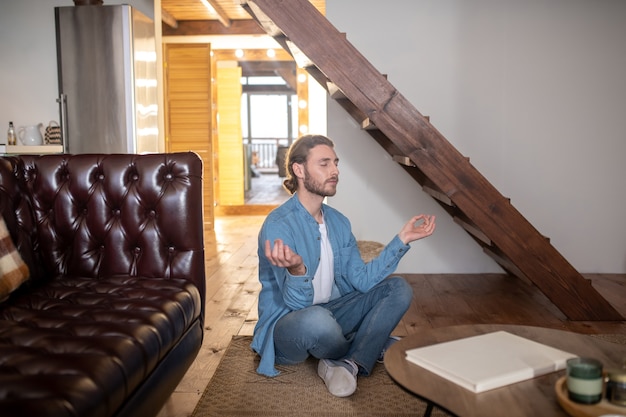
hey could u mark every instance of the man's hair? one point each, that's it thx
(298, 154)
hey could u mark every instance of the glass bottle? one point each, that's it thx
(11, 137)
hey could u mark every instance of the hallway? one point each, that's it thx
(267, 189)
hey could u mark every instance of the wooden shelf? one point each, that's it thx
(35, 150)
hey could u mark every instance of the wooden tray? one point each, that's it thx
(581, 410)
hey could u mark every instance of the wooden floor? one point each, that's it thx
(266, 189)
(439, 300)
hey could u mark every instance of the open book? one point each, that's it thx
(488, 361)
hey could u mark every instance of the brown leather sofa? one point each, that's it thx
(112, 315)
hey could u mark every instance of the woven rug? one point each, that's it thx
(236, 390)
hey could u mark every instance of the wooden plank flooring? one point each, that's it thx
(266, 189)
(439, 300)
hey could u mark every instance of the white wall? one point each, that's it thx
(28, 73)
(532, 91)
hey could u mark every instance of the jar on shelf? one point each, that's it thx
(616, 387)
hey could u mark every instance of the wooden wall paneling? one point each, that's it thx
(188, 117)
(230, 152)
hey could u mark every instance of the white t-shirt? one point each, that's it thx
(324, 278)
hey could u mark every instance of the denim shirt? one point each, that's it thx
(282, 292)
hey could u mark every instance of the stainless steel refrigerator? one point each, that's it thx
(106, 58)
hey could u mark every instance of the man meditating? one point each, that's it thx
(318, 297)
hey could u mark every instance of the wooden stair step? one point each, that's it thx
(403, 160)
(367, 124)
(438, 195)
(266, 23)
(473, 230)
(335, 92)
(300, 57)
(506, 263)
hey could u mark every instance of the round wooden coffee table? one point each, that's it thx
(534, 397)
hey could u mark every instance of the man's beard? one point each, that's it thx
(318, 188)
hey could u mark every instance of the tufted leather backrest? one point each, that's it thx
(106, 215)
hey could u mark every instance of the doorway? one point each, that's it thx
(270, 119)
(269, 79)
(274, 111)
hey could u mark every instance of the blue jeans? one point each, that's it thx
(354, 326)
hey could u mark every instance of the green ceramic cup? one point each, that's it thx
(584, 380)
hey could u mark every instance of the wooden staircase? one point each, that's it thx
(427, 156)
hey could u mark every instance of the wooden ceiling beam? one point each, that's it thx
(168, 19)
(221, 14)
(213, 27)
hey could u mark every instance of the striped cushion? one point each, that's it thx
(13, 270)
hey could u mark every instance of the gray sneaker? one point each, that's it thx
(339, 376)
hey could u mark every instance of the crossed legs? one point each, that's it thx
(354, 327)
